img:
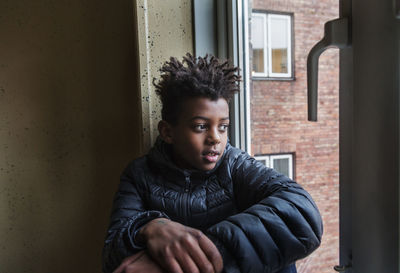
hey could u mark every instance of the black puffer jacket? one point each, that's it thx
(260, 220)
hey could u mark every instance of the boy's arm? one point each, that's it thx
(279, 223)
(178, 248)
(128, 215)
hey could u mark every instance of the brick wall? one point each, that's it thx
(279, 121)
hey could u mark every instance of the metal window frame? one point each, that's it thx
(219, 30)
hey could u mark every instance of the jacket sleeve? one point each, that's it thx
(278, 222)
(128, 215)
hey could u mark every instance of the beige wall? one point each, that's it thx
(70, 121)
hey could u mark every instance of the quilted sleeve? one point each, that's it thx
(128, 215)
(278, 222)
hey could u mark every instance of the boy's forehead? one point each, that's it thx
(200, 106)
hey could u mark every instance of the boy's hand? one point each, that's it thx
(179, 248)
(138, 263)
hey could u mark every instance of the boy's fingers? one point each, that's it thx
(186, 263)
(212, 252)
(172, 265)
(202, 262)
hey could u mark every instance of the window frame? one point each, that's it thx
(266, 53)
(269, 161)
(268, 75)
(263, 157)
(355, 199)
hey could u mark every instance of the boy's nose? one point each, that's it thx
(214, 137)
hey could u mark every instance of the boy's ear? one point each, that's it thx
(165, 130)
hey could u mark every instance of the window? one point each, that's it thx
(271, 39)
(282, 163)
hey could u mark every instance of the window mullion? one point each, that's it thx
(289, 46)
(269, 46)
(266, 31)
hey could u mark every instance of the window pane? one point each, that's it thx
(279, 43)
(276, 112)
(282, 165)
(257, 30)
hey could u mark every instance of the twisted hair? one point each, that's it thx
(194, 77)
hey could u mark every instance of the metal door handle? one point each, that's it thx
(341, 268)
(336, 35)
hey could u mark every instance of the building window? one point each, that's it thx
(271, 39)
(282, 163)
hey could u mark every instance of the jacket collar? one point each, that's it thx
(161, 156)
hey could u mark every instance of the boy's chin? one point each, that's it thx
(207, 166)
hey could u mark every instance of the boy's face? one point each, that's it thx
(200, 135)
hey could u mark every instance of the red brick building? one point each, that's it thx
(278, 111)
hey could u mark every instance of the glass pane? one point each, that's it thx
(258, 61)
(282, 165)
(279, 43)
(258, 43)
(277, 112)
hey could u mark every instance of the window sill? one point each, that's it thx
(273, 79)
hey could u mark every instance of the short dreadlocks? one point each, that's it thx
(200, 77)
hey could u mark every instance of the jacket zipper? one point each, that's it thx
(186, 195)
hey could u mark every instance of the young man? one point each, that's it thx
(197, 204)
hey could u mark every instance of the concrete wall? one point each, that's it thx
(165, 30)
(70, 120)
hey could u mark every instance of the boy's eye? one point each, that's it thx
(204, 127)
(200, 127)
(223, 127)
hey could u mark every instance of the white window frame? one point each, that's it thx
(269, 161)
(263, 157)
(267, 17)
(288, 18)
(283, 156)
(263, 16)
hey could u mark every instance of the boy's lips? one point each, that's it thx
(211, 156)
